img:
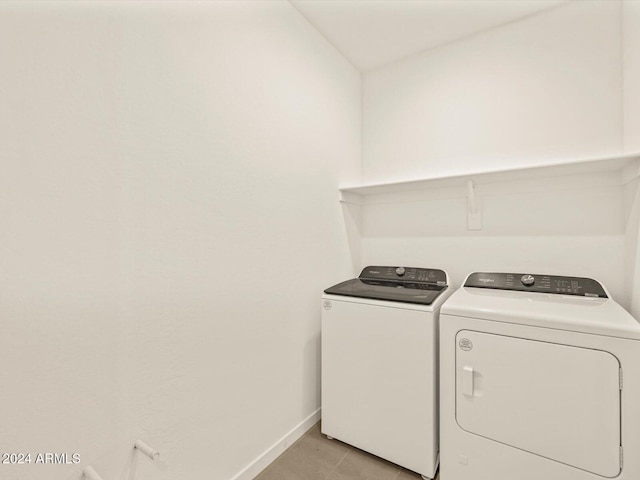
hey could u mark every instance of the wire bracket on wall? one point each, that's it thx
(474, 215)
(90, 474)
(147, 450)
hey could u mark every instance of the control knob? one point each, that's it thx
(400, 271)
(528, 280)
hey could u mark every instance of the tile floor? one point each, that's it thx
(315, 457)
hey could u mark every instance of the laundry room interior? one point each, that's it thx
(180, 181)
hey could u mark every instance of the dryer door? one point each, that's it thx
(557, 401)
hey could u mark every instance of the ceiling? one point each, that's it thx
(372, 33)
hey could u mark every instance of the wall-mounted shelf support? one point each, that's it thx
(350, 198)
(474, 215)
(626, 167)
(611, 171)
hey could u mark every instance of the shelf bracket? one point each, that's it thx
(474, 215)
(631, 172)
(350, 198)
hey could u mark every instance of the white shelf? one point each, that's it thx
(627, 166)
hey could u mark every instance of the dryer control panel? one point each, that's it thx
(526, 282)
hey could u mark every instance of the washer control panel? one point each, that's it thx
(405, 274)
(526, 282)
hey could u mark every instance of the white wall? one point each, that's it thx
(168, 220)
(631, 98)
(533, 92)
(530, 92)
(631, 42)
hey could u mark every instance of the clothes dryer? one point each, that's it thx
(540, 378)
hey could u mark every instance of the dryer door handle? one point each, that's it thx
(467, 381)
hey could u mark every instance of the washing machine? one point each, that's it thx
(380, 363)
(540, 379)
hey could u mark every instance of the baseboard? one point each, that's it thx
(275, 450)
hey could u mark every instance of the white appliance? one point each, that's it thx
(380, 363)
(540, 379)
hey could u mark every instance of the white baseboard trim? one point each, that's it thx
(275, 450)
